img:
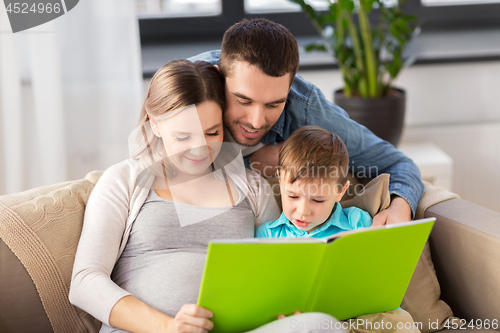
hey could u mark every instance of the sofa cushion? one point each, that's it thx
(21, 309)
(42, 228)
(423, 297)
(466, 244)
(372, 197)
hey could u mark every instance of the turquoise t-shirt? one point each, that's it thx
(341, 220)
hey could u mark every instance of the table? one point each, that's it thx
(435, 165)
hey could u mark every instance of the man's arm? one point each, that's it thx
(398, 211)
(369, 155)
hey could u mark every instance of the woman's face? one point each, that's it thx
(193, 137)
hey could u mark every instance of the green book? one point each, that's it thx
(249, 282)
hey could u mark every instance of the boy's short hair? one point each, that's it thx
(265, 44)
(314, 153)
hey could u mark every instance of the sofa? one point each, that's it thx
(40, 228)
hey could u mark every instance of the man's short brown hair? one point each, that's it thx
(314, 153)
(262, 43)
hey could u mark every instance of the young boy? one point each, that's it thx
(313, 165)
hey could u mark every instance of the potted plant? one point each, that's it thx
(370, 57)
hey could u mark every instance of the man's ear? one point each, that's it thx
(344, 189)
(217, 68)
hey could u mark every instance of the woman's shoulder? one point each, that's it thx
(121, 170)
(256, 183)
(125, 173)
(254, 176)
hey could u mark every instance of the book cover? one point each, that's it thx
(249, 282)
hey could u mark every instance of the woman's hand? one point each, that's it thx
(133, 315)
(191, 318)
(281, 316)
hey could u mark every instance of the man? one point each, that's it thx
(266, 101)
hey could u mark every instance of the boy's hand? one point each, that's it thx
(398, 211)
(281, 316)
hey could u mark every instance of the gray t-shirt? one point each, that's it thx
(162, 263)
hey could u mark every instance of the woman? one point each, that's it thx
(149, 219)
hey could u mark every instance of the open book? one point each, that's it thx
(249, 282)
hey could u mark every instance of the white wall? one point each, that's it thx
(457, 107)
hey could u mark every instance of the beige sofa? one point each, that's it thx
(39, 231)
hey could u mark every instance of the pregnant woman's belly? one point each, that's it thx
(165, 280)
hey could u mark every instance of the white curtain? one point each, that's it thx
(70, 93)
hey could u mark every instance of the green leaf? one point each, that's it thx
(346, 5)
(402, 25)
(307, 9)
(395, 66)
(333, 10)
(315, 47)
(410, 18)
(395, 32)
(368, 4)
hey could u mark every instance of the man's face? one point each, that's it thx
(254, 102)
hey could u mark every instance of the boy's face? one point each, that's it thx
(254, 102)
(308, 203)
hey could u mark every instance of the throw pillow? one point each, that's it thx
(42, 227)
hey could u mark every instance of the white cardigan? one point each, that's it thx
(111, 210)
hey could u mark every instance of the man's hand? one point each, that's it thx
(191, 318)
(398, 211)
(265, 160)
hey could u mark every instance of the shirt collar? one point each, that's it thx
(279, 125)
(333, 220)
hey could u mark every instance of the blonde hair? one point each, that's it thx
(314, 153)
(177, 85)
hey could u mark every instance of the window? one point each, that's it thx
(266, 6)
(177, 8)
(457, 2)
(164, 21)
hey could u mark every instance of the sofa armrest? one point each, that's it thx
(465, 246)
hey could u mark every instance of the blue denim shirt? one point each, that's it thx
(341, 220)
(369, 155)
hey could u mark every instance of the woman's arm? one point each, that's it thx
(104, 225)
(133, 315)
(92, 289)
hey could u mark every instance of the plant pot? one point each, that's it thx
(383, 116)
